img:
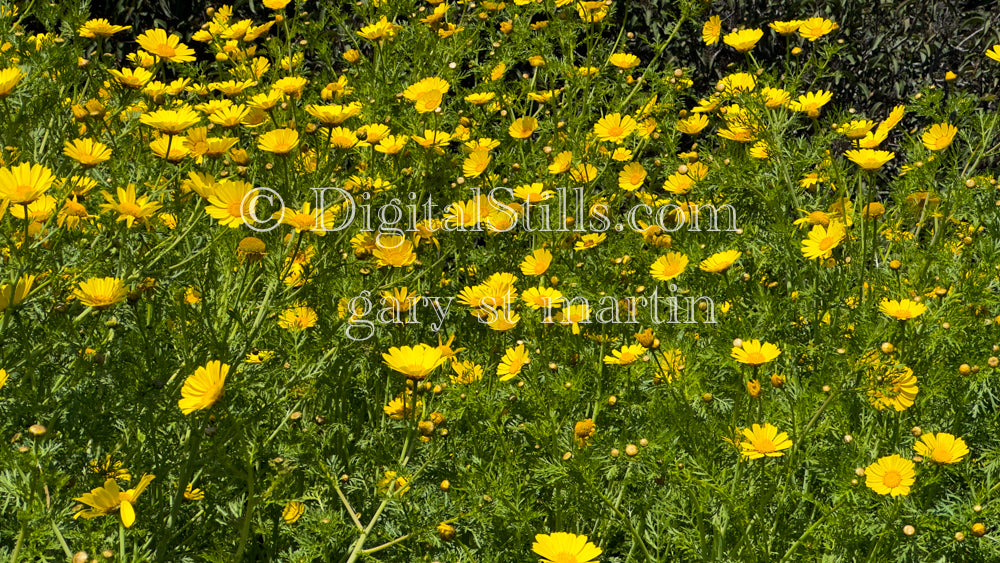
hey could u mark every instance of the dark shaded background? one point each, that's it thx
(891, 49)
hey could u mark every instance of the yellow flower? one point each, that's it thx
(229, 203)
(480, 98)
(465, 372)
(157, 42)
(171, 121)
(856, 129)
(87, 152)
(394, 251)
(204, 387)
(632, 176)
(624, 60)
(379, 30)
(193, 494)
(394, 484)
(583, 431)
(130, 78)
(334, 114)
(523, 127)
(903, 310)
(24, 183)
(615, 128)
(939, 136)
(785, 28)
(537, 263)
(628, 354)
(276, 4)
(869, 159)
(109, 499)
(476, 163)
(692, 125)
(292, 512)
(743, 40)
(720, 262)
(942, 448)
(101, 293)
(278, 141)
(590, 240)
(100, 27)
(994, 53)
(890, 475)
(427, 93)
(754, 353)
(513, 361)
(669, 266)
(415, 362)
(822, 240)
(562, 547)
(814, 28)
(298, 318)
(13, 296)
(711, 31)
(9, 77)
(811, 102)
(763, 441)
(129, 207)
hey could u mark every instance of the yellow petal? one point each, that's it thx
(127, 513)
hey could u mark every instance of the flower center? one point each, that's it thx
(764, 446)
(129, 208)
(941, 454)
(756, 358)
(892, 479)
(827, 243)
(565, 557)
(616, 131)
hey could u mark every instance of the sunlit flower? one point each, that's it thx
(562, 547)
(157, 42)
(939, 136)
(513, 361)
(298, 318)
(941, 448)
(278, 141)
(536, 263)
(869, 159)
(814, 28)
(763, 441)
(101, 293)
(811, 102)
(822, 240)
(12, 296)
(890, 475)
(523, 127)
(9, 77)
(720, 262)
(230, 203)
(754, 353)
(711, 30)
(624, 60)
(669, 266)
(416, 362)
(204, 387)
(628, 354)
(171, 121)
(100, 27)
(583, 432)
(128, 206)
(902, 310)
(743, 40)
(24, 183)
(614, 127)
(109, 499)
(87, 152)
